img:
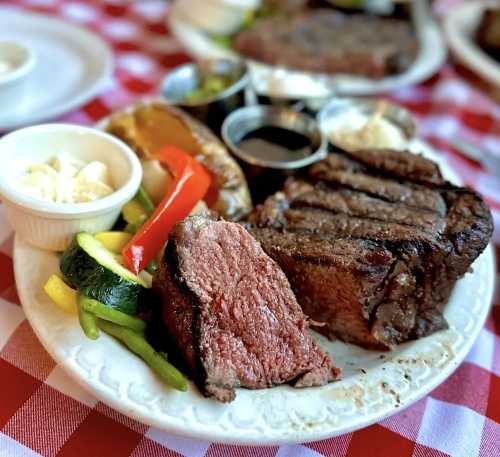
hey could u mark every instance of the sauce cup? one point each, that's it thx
(267, 176)
(213, 109)
(49, 225)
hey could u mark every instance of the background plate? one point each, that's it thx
(281, 82)
(72, 66)
(374, 385)
(460, 26)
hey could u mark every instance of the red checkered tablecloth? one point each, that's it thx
(43, 412)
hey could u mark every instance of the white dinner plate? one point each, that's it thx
(460, 26)
(283, 82)
(72, 66)
(374, 384)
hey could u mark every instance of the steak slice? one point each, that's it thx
(373, 242)
(232, 313)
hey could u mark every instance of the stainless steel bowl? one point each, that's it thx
(244, 120)
(342, 106)
(211, 110)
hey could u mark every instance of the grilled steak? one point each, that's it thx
(327, 41)
(231, 312)
(373, 243)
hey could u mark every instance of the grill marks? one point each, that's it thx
(359, 204)
(373, 243)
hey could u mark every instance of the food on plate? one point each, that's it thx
(488, 33)
(88, 266)
(150, 126)
(209, 87)
(327, 41)
(65, 179)
(230, 311)
(61, 294)
(373, 242)
(137, 344)
(189, 185)
(358, 131)
(113, 241)
(105, 296)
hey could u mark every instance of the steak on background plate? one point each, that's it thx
(373, 242)
(326, 41)
(232, 314)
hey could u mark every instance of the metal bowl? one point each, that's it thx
(244, 120)
(339, 108)
(210, 110)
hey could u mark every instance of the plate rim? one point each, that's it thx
(92, 89)
(465, 49)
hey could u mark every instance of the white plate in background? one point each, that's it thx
(283, 82)
(374, 384)
(460, 26)
(72, 66)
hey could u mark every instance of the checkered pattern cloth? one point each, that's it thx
(43, 412)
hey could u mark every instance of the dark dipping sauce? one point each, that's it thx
(276, 144)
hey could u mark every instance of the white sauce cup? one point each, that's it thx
(49, 225)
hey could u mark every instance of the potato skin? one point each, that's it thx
(148, 125)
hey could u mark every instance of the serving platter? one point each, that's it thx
(282, 82)
(86, 61)
(374, 384)
(460, 26)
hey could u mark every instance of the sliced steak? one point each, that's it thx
(232, 313)
(373, 243)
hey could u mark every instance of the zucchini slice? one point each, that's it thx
(88, 266)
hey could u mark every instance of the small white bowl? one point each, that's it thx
(52, 225)
(217, 16)
(19, 61)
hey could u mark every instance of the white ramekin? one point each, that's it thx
(13, 83)
(52, 225)
(216, 16)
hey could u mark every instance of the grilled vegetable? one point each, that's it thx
(88, 266)
(113, 241)
(88, 321)
(112, 315)
(190, 184)
(61, 294)
(143, 349)
(133, 212)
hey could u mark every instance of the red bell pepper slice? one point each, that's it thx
(190, 184)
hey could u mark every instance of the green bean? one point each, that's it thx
(113, 315)
(143, 349)
(87, 320)
(144, 199)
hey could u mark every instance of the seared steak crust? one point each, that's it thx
(232, 313)
(373, 242)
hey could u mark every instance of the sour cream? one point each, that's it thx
(358, 131)
(67, 180)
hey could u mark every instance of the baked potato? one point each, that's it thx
(147, 126)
